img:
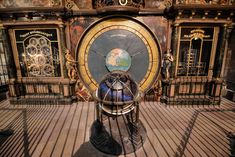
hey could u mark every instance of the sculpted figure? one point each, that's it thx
(167, 61)
(71, 65)
(82, 92)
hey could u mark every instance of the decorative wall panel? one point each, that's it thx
(78, 4)
(159, 26)
(77, 27)
(195, 51)
(205, 2)
(158, 3)
(38, 52)
(109, 3)
(29, 3)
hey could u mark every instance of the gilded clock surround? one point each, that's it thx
(122, 23)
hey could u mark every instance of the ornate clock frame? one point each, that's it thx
(120, 24)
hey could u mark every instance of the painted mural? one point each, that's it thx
(83, 3)
(29, 3)
(77, 27)
(161, 4)
(78, 4)
(158, 26)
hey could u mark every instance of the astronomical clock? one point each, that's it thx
(118, 43)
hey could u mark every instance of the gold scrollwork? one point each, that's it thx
(56, 2)
(81, 91)
(69, 4)
(105, 3)
(197, 34)
(168, 3)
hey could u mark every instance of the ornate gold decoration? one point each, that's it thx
(69, 4)
(38, 57)
(105, 3)
(168, 3)
(155, 92)
(71, 66)
(56, 2)
(197, 34)
(82, 92)
(193, 63)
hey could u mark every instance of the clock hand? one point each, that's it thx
(128, 43)
(137, 53)
(100, 54)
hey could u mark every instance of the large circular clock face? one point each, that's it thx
(118, 43)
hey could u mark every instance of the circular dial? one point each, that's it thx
(118, 59)
(123, 2)
(118, 43)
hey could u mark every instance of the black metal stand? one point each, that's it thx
(117, 135)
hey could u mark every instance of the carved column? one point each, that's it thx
(63, 61)
(174, 46)
(222, 47)
(217, 81)
(173, 73)
(63, 47)
(68, 85)
(169, 85)
(224, 63)
(10, 61)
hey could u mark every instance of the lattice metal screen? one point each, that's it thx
(38, 56)
(195, 51)
(38, 52)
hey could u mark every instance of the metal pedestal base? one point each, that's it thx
(117, 135)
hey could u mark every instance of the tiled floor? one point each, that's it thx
(63, 130)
